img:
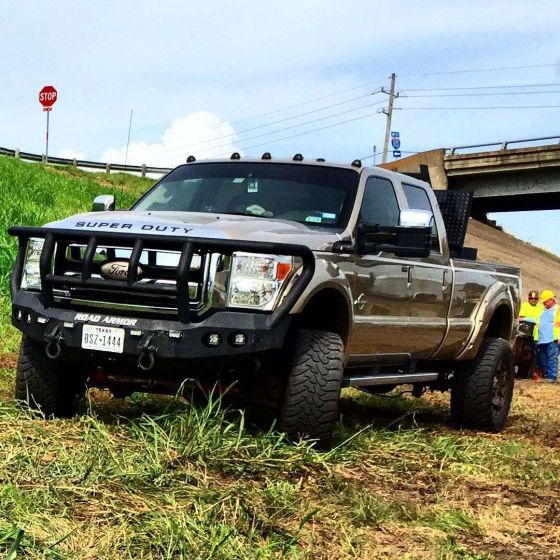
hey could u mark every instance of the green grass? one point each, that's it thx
(158, 478)
(33, 194)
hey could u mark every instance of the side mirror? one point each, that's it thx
(416, 218)
(403, 241)
(103, 203)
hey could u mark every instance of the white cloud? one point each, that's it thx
(202, 134)
(68, 153)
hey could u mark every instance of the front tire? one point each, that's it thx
(310, 406)
(482, 391)
(44, 384)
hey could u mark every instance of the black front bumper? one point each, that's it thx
(164, 338)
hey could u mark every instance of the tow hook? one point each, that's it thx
(53, 348)
(147, 358)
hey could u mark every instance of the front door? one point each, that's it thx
(381, 293)
(430, 286)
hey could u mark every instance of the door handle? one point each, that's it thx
(409, 277)
(444, 284)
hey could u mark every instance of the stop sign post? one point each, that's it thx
(47, 98)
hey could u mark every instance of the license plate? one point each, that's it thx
(105, 339)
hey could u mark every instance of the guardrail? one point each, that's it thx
(503, 145)
(84, 164)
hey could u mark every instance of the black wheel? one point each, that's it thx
(46, 385)
(526, 370)
(482, 390)
(310, 406)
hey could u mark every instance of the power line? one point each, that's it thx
(482, 94)
(482, 87)
(479, 108)
(290, 127)
(526, 67)
(296, 105)
(236, 134)
(309, 131)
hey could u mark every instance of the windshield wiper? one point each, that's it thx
(245, 214)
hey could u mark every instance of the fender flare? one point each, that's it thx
(497, 296)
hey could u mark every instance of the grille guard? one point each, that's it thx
(184, 245)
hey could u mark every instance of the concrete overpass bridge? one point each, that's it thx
(504, 179)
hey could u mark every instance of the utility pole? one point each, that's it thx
(389, 114)
(126, 153)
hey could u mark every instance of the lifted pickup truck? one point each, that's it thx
(294, 277)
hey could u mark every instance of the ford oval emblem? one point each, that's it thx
(117, 270)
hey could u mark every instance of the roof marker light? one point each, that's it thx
(190, 159)
(298, 157)
(357, 163)
(235, 155)
(266, 155)
(320, 159)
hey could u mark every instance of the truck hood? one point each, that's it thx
(195, 224)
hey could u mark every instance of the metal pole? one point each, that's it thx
(126, 153)
(128, 139)
(389, 116)
(374, 153)
(47, 139)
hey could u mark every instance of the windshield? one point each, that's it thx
(309, 194)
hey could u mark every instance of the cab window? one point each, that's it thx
(379, 205)
(417, 199)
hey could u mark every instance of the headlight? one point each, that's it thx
(256, 280)
(31, 275)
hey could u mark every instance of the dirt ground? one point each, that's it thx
(539, 268)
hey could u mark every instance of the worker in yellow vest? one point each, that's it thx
(547, 335)
(531, 309)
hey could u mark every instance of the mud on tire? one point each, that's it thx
(310, 406)
(46, 385)
(482, 390)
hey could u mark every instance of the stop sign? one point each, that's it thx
(47, 97)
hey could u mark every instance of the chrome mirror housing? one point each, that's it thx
(103, 202)
(416, 218)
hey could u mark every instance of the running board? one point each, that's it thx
(388, 379)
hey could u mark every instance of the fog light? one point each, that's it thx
(238, 339)
(28, 318)
(19, 315)
(42, 320)
(68, 324)
(213, 339)
(135, 332)
(175, 334)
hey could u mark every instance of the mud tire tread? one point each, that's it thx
(44, 384)
(471, 393)
(310, 407)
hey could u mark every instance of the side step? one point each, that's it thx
(388, 379)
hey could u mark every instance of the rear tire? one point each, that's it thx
(44, 384)
(310, 406)
(482, 390)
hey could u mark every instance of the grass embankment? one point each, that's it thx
(34, 195)
(153, 477)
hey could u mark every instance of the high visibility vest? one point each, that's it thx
(555, 328)
(531, 312)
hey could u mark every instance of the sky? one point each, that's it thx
(251, 76)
